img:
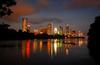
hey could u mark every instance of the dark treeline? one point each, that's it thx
(11, 34)
(7, 33)
(94, 40)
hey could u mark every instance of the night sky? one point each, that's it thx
(78, 13)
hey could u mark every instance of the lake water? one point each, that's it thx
(45, 52)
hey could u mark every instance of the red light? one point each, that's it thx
(28, 48)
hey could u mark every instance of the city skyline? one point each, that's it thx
(78, 13)
(50, 29)
(49, 32)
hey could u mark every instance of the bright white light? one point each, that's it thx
(55, 46)
(55, 30)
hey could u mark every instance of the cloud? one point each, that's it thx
(44, 20)
(78, 4)
(41, 4)
(22, 8)
(19, 11)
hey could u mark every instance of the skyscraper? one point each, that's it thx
(60, 30)
(24, 24)
(50, 29)
(67, 29)
(28, 27)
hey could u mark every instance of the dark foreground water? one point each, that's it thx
(45, 52)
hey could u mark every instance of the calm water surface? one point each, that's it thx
(45, 52)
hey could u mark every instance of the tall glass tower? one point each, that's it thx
(24, 24)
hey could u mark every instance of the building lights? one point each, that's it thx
(24, 24)
(28, 27)
(41, 32)
(55, 30)
(36, 31)
(51, 30)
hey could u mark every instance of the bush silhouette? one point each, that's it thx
(94, 40)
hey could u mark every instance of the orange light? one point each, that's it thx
(23, 48)
(41, 43)
(34, 45)
(49, 46)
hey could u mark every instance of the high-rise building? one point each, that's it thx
(56, 31)
(67, 29)
(60, 30)
(28, 27)
(50, 29)
(24, 24)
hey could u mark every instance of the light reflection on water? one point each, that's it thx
(51, 46)
(44, 52)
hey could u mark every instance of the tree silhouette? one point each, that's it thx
(5, 7)
(94, 39)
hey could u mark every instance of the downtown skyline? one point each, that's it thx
(78, 13)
